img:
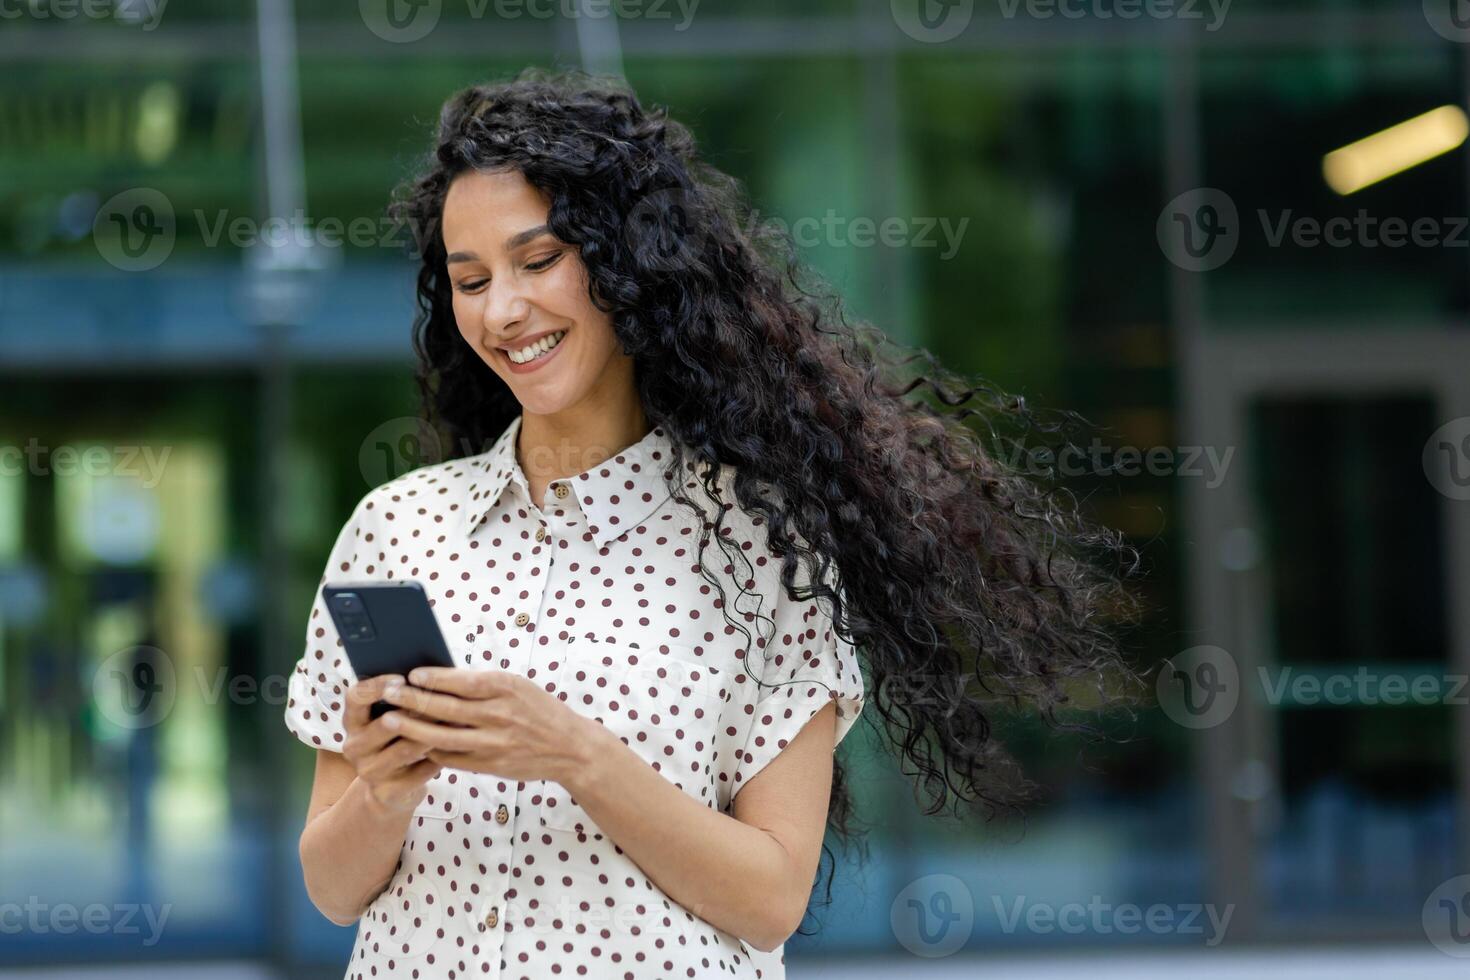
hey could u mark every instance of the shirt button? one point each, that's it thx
(562, 490)
(522, 619)
(492, 919)
(502, 813)
(541, 534)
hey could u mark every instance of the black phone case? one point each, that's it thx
(402, 632)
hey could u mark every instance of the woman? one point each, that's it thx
(631, 770)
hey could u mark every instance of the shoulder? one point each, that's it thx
(746, 531)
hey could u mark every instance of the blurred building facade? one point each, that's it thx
(1100, 211)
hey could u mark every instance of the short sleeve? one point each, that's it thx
(317, 692)
(822, 667)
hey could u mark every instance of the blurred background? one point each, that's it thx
(1233, 235)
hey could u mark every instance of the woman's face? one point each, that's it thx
(516, 285)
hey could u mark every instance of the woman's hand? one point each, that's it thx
(396, 770)
(489, 721)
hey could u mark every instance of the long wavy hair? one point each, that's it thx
(967, 583)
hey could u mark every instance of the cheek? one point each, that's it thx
(568, 283)
(465, 315)
(575, 303)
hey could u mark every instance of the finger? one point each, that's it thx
(456, 680)
(360, 699)
(452, 760)
(440, 707)
(367, 741)
(435, 735)
(393, 759)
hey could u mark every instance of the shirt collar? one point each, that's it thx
(616, 495)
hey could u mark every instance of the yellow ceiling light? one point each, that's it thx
(1396, 149)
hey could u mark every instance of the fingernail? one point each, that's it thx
(391, 720)
(417, 676)
(393, 689)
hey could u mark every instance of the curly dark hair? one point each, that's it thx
(965, 583)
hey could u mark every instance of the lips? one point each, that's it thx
(535, 347)
(537, 362)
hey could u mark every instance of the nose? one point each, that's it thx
(505, 310)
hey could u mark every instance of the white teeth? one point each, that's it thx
(531, 351)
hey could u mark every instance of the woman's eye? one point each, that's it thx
(543, 263)
(472, 285)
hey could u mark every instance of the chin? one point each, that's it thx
(542, 404)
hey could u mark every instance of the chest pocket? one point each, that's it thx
(665, 704)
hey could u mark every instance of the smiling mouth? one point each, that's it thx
(536, 350)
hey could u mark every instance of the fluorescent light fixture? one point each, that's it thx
(1396, 149)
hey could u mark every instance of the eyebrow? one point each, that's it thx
(513, 242)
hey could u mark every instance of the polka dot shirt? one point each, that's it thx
(596, 595)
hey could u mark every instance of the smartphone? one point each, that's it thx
(386, 628)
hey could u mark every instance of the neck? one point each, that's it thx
(550, 447)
